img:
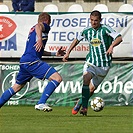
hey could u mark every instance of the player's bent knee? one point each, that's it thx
(92, 90)
(56, 77)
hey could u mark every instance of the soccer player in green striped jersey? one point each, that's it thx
(101, 39)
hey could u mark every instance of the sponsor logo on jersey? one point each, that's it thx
(95, 42)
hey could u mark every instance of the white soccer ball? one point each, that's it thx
(97, 104)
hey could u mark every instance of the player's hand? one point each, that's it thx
(65, 57)
(38, 45)
(61, 52)
(110, 50)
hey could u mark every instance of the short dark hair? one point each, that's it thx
(96, 13)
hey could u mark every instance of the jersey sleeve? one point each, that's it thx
(81, 36)
(111, 32)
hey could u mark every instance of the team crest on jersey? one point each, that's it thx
(7, 27)
(10, 80)
(95, 42)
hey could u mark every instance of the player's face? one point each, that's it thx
(95, 21)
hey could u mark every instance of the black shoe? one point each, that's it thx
(83, 111)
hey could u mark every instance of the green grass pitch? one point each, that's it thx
(25, 119)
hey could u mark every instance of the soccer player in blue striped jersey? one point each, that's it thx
(31, 64)
(101, 39)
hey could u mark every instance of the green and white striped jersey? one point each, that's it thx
(99, 42)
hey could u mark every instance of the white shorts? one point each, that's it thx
(98, 73)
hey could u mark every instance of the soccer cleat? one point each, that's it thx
(83, 111)
(76, 108)
(43, 107)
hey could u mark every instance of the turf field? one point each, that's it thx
(24, 119)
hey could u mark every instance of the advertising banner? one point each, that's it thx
(116, 89)
(14, 29)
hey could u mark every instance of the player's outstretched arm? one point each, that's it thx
(73, 44)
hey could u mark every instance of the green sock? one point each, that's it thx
(85, 96)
